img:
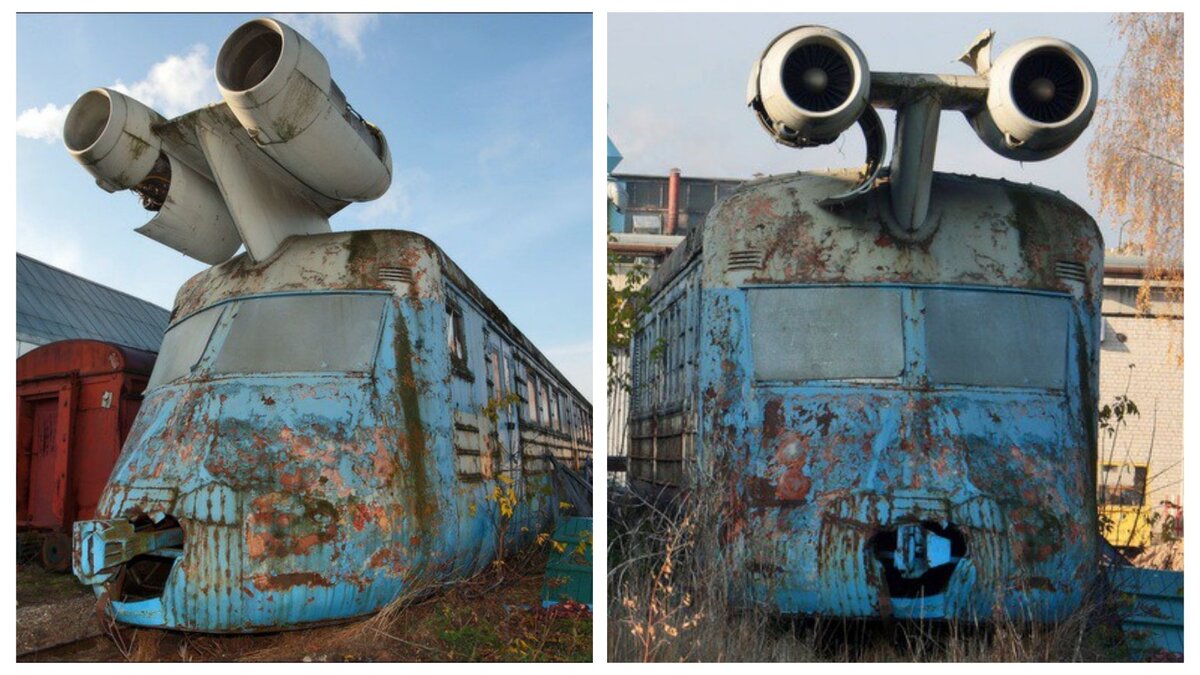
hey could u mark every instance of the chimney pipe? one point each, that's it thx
(672, 202)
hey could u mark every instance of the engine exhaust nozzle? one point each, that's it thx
(111, 135)
(279, 87)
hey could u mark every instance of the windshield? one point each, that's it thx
(996, 339)
(182, 346)
(960, 336)
(826, 333)
(275, 334)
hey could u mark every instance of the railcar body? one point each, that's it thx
(324, 430)
(890, 374)
(903, 429)
(76, 401)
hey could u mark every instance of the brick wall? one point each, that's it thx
(1155, 385)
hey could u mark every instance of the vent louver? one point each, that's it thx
(402, 275)
(1070, 271)
(745, 259)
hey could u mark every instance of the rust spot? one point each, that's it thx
(279, 582)
(794, 485)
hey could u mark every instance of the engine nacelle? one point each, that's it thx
(1041, 96)
(192, 215)
(278, 86)
(809, 86)
(110, 135)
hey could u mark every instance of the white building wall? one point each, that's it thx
(1154, 383)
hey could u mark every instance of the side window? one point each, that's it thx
(522, 390)
(456, 339)
(543, 402)
(490, 377)
(530, 396)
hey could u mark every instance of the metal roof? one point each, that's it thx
(53, 304)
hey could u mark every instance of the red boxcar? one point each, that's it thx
(76, 400)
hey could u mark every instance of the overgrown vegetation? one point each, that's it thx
(668, 600)
(494, 616)
(627, 295)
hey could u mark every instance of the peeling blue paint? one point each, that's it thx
(829, 479)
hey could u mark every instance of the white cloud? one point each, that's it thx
(173, 86)
(347, 30)
(393, 204)
(42, 124)
(177, 84)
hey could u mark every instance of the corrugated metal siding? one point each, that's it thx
(56, 305)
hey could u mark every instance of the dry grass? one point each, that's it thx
(669, 601)
(494, 616)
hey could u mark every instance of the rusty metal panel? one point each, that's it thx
(72, 397)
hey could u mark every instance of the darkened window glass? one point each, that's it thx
(996, 339)
(302, 333)
(826, 333)
(182, 347)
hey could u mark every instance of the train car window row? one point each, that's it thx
(665, 346)
(543, 402)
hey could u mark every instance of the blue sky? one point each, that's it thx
(677, 91)
(489, 119)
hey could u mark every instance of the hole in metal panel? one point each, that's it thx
(145, 576)
(918, 559)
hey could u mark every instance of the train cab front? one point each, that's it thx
(918, 454)
(250, 494)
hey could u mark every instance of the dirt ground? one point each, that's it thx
(496, 616)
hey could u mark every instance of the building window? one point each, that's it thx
(1122, 485)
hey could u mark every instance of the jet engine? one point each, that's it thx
(809, 86)
(283, 153)
(278, 86)
(1041, 96)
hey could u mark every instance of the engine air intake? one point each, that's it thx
(817, 77)
(1047, 85)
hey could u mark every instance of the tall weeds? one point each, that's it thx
(669, 594)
